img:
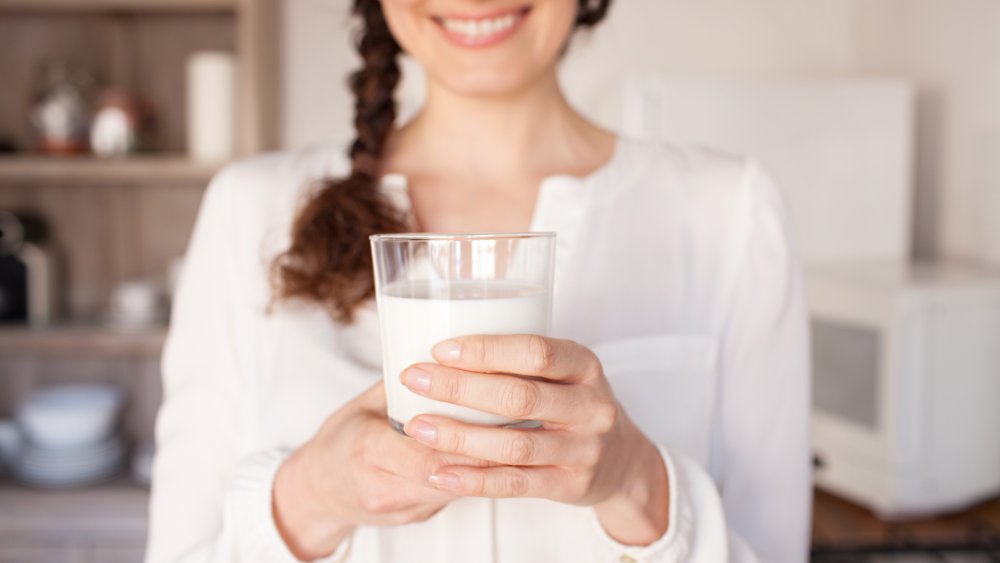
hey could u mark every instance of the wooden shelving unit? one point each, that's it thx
(135, 170)
(101, 523)
(83, 338)
(116, 506)
(112, 221)
(117, 29)
(69, 6)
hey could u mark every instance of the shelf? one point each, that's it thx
(131, 6)
(146, 169)
(119, 507)
(88, 339)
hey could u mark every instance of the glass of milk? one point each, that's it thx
(432, 287)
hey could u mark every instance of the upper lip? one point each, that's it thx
(519, 10)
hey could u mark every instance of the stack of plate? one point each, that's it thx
(69, 467)
(70, 436)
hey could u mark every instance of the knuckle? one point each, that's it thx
(520, 398)
(593, 364)
(605, 416)
(453, 439)
(377, 503)
(541, 353)
(479, 486)
(449, 388)
(480, 349)
(520, 450)
(515, 485)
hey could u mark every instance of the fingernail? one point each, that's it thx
(417, 379)
(448, 350)
(422, 431)
(446, 480)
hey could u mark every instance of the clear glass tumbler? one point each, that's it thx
(432, 287)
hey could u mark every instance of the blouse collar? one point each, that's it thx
(613, 174)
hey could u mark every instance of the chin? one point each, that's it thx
(488, 82)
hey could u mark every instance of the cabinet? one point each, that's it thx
(112, 220)
(105, 524)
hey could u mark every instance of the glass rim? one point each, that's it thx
(404, 237)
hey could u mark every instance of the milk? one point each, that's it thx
(414, 316)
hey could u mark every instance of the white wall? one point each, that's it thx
(951, 48)
(318, 55)
(316, 58)
(706, 39)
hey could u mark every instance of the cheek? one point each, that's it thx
(553, 28)
(406, 19)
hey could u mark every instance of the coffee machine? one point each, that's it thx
(27, 270)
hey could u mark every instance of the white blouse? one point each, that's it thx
(674, 264)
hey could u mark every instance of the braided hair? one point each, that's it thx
(329, 260)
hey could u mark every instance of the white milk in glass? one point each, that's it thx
(416, 315)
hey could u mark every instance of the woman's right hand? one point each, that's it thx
(356, 470)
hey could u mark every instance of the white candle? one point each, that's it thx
(211, 106)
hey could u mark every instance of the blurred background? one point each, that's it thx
(880, 119)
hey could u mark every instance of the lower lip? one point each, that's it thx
(484, 41)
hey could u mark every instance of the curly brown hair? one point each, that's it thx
(329, 260)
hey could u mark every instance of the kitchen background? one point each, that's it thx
(881, 119)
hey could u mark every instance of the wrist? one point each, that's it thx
(304, 523)
(639, 513)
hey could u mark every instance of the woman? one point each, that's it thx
(674, 401)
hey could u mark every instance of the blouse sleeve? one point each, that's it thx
(210, 502)
(757, 509)
(763, 448)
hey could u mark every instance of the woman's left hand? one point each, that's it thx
(587, 452)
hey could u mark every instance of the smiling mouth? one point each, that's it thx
(484, 30)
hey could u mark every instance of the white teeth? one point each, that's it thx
(478, 29)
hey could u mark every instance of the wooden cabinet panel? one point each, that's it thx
(42, 555)
(104, 235)
(144, 52)
(118, 554)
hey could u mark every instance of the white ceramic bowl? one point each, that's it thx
(67, 416)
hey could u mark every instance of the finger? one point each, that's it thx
(499, 482)
(506, 446)
(421, 514)
(385, 495)
(399, 455)
(522, 354)
(511, 396)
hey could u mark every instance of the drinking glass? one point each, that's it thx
(432, 287)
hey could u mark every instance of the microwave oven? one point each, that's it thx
(906, 384)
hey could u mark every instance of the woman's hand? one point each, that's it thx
(356, 470)
(587, 452)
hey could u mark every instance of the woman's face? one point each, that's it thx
(482, 47)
